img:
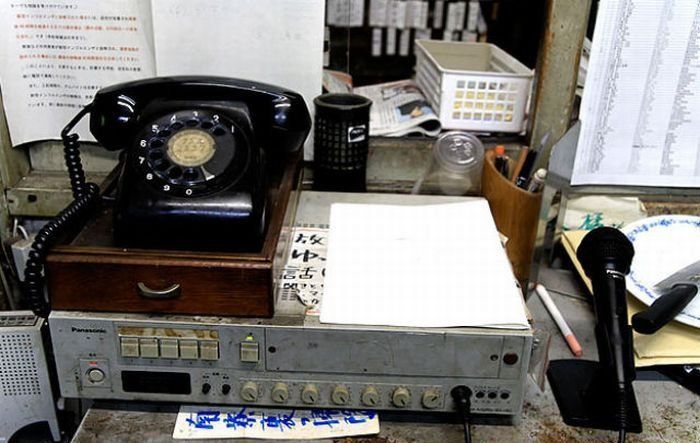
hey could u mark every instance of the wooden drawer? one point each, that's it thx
(205, 287)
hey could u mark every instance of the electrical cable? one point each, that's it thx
(85, 196)
(462, 398)
(621, 436)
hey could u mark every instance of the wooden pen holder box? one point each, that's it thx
(90, 273)
(515, 212)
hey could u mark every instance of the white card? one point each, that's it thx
(208, 422)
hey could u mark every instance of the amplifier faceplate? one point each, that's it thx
(287, 362)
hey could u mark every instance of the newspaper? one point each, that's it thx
(399, 108)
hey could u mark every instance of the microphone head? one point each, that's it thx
(605, 248)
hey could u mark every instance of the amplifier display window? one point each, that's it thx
(156, 382)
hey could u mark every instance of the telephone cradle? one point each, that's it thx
(89, 272)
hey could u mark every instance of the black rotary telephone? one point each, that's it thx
(195, 169)
(197, 151)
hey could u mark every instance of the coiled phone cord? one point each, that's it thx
(85, 195)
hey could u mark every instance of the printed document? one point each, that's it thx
(641, 109)
(57, 53)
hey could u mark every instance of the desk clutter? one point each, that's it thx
(298, 359)
(225, 258)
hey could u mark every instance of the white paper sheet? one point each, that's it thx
(376, 42)
(345, 13)
(641, 110)
(57, 54)
(419, 266)
(455, 16)
(473, 15)
(390, 41)
(396, 15)
(438, 13)
(304, 272)
(208, 422)
(272, 41)
(404, 42)
(378, 12)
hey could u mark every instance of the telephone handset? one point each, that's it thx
(194, 174)
(195, 168)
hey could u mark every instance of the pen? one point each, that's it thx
(525, 171)
(559, 320)
(501, 161)
(537, 180)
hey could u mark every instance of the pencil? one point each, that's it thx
(522, 155)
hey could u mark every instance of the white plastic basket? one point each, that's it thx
(473, 86)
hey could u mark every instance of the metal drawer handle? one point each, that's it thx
(169, 292)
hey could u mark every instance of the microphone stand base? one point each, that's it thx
(584, 401)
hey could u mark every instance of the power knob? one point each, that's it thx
(309, 394)
(249, 391)
(340, 395)
(369, 396)
(401, 397)
(431, 399)
(280, 393)
(95, 375)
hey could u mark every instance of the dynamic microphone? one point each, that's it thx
(606, 255)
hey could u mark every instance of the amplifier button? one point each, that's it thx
(401, 397)
(340, 395)
(168, 348)
(280, 393)
(249, 391)
(209, 350)
(309, 395)
(130, 347)
(431, 399)
(370, 396)
(148, 347)
(189, 350)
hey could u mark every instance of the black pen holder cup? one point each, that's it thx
(341, 142)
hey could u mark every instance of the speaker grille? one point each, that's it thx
(18, 371)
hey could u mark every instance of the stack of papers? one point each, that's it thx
(419, 266)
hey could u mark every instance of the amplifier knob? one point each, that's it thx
(249, 391)
(280, 393)
(340, 395)
(401, 397)
(225, 389)
(309, 395)
(206, 387)
(431, 399)
(370, 396)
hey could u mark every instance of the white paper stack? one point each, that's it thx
(419, 266)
